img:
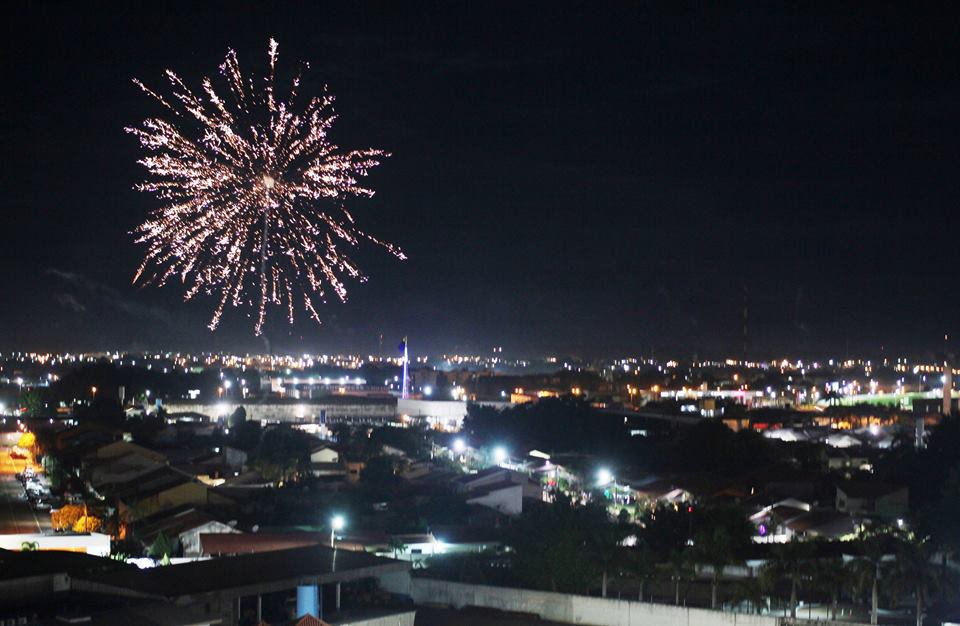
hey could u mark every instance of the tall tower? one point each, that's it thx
(405, 382)
(746, 318)
(947, 380)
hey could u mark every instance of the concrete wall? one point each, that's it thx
(394, 619)
(307, 412)
(96, 544)
(444, 414)
(567, 608)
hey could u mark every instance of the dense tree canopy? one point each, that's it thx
(552, 424)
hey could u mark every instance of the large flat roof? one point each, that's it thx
(247, 574)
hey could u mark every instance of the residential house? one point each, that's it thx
(162, 489)
(182, 526)
(871, 498)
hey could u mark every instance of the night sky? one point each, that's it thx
(580, 178)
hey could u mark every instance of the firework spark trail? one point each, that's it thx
(252, 191)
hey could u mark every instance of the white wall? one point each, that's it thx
(325, 455)
(445, 414)
(190, 539)
(96, 544)
(394, 619)
(567, 608)
(306, 413)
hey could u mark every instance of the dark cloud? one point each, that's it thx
(67, 300)
(105, 295)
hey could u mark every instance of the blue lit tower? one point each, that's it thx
(404, 382)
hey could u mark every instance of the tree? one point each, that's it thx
(549, 424)
(749, 590)
(914, 570)
(282, 453)
(790, 561)
(32, 402)
(604, 542)
(397, 546)
(868, 566)
(679, 568)
(87, 524)
(830, 576)
(414, 441)
(665, 529)
(29, 546)
(66, 516)
(379, 477)
(239, 416)
(549, 543)
(715, 547)
(55, 472)
(638, 563)
(27, 441)
(940, 518)
(246, 436)
(162, 546)
(724, 535)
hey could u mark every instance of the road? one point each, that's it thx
(16, 516)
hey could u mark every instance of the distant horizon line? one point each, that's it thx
(508, 358)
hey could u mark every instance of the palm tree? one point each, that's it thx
(603, 540)
(715, 548)
(640, 565)
(790, 561)
(915, 571)
(605, 548)
(868, 567)
(679, 567)
(829, 576)
(749, 590)
(396, 544)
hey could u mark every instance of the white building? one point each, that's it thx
(446, 415)
(96, 544)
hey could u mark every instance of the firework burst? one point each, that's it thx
(253, 195)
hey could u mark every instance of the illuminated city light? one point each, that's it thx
(604, 477)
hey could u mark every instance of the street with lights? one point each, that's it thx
(16, 516)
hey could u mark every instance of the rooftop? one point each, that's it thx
(868, 489)
(262, 572)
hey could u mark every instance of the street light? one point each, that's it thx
(336, 524)
(459, 445)
(604, 477)
(499, 455)
(93, 392)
